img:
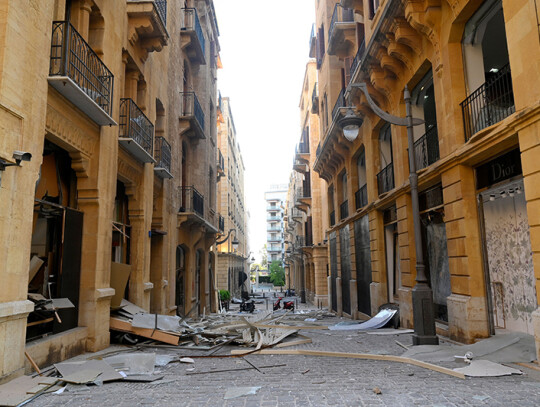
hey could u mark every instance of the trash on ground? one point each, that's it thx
(378, 321)
(486, 368)
(513, 347)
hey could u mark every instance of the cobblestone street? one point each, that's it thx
(309, 380)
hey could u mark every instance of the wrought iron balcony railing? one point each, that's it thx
(192, 108)
(426, 149)
(360, 197)
(332, 218)
(221, 161)
(340, 15)
(344, 210)
(358, 58)
(385, 179)
(192, 23)
(340, 102)
(136, 126)
(489, 104)
(191, 201)
(161, 6)
(72, 57)
(221, 223)
(163, 155)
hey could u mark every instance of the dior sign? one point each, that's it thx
(499, 169)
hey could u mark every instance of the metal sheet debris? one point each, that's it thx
(107, 372)
(133, 363)
(151, 321)
(486, 368)
(378, 321)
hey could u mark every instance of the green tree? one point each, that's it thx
(277, 274)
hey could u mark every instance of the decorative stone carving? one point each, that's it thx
(64, 129)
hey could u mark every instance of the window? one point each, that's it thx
(373, 6)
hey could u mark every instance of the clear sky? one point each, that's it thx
(264, 51)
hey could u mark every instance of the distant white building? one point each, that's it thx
(275, 204)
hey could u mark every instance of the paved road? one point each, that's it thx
(311, 381)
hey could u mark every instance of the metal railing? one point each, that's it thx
(300, 241)
(332, 218)
(303, 148)
(426, 149)
(385, 179)
(163, 154)
(192, 107)
(191, 201)
(270, 229)
(360, 197)
(221, 161)
(489, 104)
(135, 125)
(273, 218)
(192, 22)
(221, 223)
(358, 57)
(340, 15)
(71, 56)
(340, 102)
(344, 210)
(161, 6)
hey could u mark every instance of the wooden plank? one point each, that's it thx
(294, 343)
(43, 321)
(124, 326)
(34, 365)
(367, 356)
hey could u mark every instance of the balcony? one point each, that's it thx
(344, 210)
(296, 214)
(220, 164)
(191, 36)
(315, 99)
(136, 131)
(342, 31)
(147, 21)
(300, 165)
(426, 149)
(163, 158)
(300, 241)
(192, 210)
(192, 116)
(78, 74)
(360, 197)
(312, 42)
(340, 103)
(221, 223)
(360, 54)
(385, 179)
(276, 238)
(274, 219)
(274, 229)
(273, 208)
(332, 218)
(303, 198)
(274, 249)
(489, 104)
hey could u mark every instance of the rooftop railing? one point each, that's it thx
(71, 56)
(489, 104)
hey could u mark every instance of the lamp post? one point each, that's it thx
(422, 296)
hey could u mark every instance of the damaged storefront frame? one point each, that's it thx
(56, 248)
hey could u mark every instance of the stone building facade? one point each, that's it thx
(232, 267)
(469, 67)
(305, 224)
(117, 104)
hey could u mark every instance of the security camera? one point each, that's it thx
(19, 156)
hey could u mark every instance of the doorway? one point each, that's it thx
(507, 245)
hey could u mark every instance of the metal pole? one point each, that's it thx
(422, 296)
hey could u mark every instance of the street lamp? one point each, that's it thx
(234, 242)
(422, 296)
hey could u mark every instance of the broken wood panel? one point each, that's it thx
(124, 326)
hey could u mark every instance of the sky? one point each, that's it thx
(264, 51)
